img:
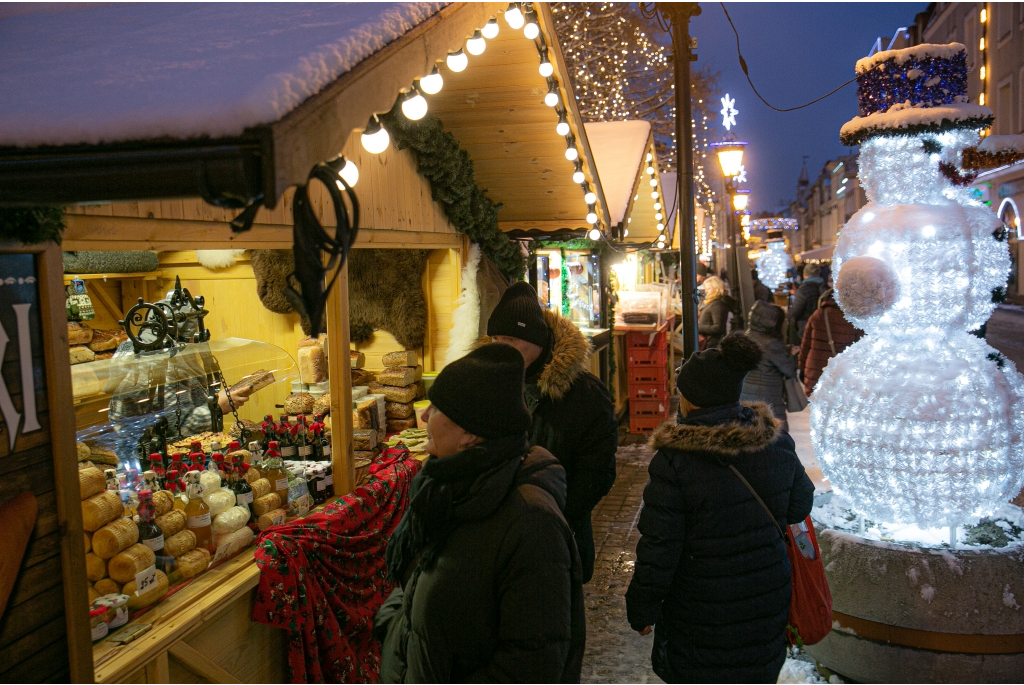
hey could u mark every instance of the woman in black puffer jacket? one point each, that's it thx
(713, 316)
(712, 576)
(765, 383)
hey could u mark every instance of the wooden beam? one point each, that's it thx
(193, 660)
(159, 670)
(340, 379)
(107, 301)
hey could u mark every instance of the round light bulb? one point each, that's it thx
(457, 61)
(545, 68)
(657, 206)
(514, 16)
(350, 173)
(649, 156)
(414, 107)
(376, 142)
(571, 154)
(625, 233)
(591, 218)
(551, 98)
(562, 128)
(531, 30)
(659, 216)
(578, 177)
(490, 29)
(594, 233)
(590, 198)
(661, 227)
(654, 183)
(476, 45)
(432, 83)
(650, 170)
(654, 195)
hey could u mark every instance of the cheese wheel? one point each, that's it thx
(107, 587)
(101, 509)
(180, 544)
(150, 596)
(235, 541)
(220, 501)
(95, 567)
(231, 520)
(163, 502)
(266, 503)
(135, 559)
(260, 488)
(172, 522)
(253, 475)
(193, 563)
(271, 518)
(115, 537)
(88, 542)
(90, 482)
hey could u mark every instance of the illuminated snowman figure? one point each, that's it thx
(920, 422)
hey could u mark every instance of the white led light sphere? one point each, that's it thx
(376, 142)
(531, 30)
(432, 83)
(457, 61)
(562, 128)
(590, 197)
(551, 98)
(572, 154)
(414, 107)
(594, 233)
(591, 217)
(476, 45)
(545, 68)
(490, 29)
(350, 173)
(772, 265)
(514, 16)
(654, 195)
(578, 177)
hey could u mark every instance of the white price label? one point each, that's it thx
(243, 497)
(200, 521)
(145, 580)
(321, 485)
(281, 484)
(327, 450)
(330, 479)
(156, 544)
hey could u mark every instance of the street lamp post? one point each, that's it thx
(730, 158)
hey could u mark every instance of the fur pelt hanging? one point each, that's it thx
(466, 317)
(385, 292)
(272, 269)
(218, 259)
(491, 284)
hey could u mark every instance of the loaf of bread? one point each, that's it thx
(364, 416)
(104, 341)
(231, 520)
(356, 359)
(172, 522)
(361, 377)
(179, 544)
(193, 563)
(322, 405)
(399, 410)
(366, 455)
(101, 509)
(252, 383)
(235, 541)
(399, 425)
(271, 518)
(403, 358)
(83, 451)
(95, 567)
(298, 403)
(105, 456)
(163, 502)
(364, 439)
(266, 503)
(150, 596)
(260, 487)
(107, 586)
(133, 560)
(312, 364)
(400, 375)
(80, 354)
(79, 333)
(90, 482)
(394, 393)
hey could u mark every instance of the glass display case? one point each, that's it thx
(569, 282)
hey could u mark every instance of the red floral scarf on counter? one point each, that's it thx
(323, 578)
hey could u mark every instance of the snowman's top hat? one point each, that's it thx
(916, 90)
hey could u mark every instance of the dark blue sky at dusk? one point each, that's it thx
(795, 52)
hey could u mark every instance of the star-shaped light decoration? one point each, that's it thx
(729, 112)
(741, 177)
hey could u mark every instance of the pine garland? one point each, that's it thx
(32, 225)
(442, 161)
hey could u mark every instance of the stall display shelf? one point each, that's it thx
(144, 275)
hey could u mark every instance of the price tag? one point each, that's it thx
(145, 580)
(223, 552)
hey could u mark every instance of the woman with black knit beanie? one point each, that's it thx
(712, 576)
(490, 583)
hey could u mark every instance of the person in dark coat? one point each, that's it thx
(490, 583)
(761, 291)
(572, 415)
(805, 301)
(815, 347)
(713, 314)
(712, 575)
(765, 383)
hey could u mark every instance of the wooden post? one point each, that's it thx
(341, 385)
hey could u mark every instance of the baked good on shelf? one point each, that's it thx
(79, 333)
(398, 410)
(399, 425)
(252, 383)
(357, 360)
(81, 354)
(99, 454)
(361, 377)
(393, 393)
(322, 405)
(364, 440)
(312, 364)
(400, 375)
(83, 451)
(90, 482)
(115, 537)
(106, 341)
(401, 358)
(236, 428)
(298, 403)
(101, 509)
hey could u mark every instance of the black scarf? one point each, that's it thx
(447, 491)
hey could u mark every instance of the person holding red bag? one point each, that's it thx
(712, 575)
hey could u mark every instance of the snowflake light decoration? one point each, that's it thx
(729, 112)
(741, 177)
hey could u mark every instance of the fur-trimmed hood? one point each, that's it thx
(570, 356)
(724, 440)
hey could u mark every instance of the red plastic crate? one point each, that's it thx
(648, 391)
(657, 408)
(655, 338)
(648, 374)
(646, 356)
(639, 425)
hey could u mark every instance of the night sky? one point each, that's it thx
(795, 52)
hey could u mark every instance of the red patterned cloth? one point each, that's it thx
(323, 578)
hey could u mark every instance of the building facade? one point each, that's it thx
(823, 207)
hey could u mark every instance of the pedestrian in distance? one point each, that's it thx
(828, 333)
(712, 576)
(766, 382)
(761, 291)
(490, 583)
(805, 301)
(714, 311)
(571, 413)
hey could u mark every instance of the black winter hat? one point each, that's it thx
(715, 377)
(483, 392)
(519, 315)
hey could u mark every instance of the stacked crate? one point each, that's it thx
(647, 366)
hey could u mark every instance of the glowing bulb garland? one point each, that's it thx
(457, 61)
(432, 83)
(490, 29)
(414, 106)
(514, 16)
(476, 44)
(375, 138)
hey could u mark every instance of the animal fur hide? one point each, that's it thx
(385, 292)
(491, 284)
(218, 259)
(466, 317)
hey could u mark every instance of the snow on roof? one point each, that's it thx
(118, 72)
(1014, 143)
(618, 148)
(909, 118)
(944, 51)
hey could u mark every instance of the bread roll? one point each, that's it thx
(231, 520)
(172, 522)
(95, 567)
(235, 541)
(163, 502)
(150, 596)
(90, 482)
(107, 587)
(312, 364)
(260, 488)
(115, 537)
(79, 333)
(88, 542)
(393, 393)
(322, 405)
(402, 358)
(101, 509)
(103, 341)
(193, 563)
(271, 518)
(180, 544)
(135, 559)
(268, 502)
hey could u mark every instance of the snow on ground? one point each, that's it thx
(108, 72)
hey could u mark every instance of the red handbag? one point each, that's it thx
(810, 606)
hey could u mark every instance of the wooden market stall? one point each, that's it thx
(203, 632)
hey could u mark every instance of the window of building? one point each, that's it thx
(1004, 19)
(1010, 216)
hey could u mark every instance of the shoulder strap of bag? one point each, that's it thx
(760, 501)
(828, 330)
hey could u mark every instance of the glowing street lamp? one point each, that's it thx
(730, 156)
(740, 198)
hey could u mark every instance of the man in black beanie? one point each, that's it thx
(572, 414)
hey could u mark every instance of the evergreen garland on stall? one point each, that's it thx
(32, 225)
(442, 161)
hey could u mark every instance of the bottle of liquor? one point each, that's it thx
(151, 483)
(325, 448)
(269, 431)
(198, 513)
(242, 490)
(174, 485)
(149, 533)
(255, 456)
(287, 447)
(304, 447)
(276, 474)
